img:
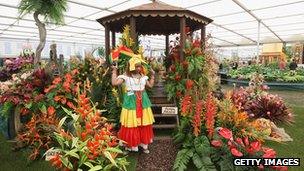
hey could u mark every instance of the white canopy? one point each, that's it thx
(235, 21)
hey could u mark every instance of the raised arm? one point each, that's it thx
(115, 81)
(150, 82)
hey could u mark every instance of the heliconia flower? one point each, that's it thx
(226, 133)
(51, 110)
(236, 152)
(210, 114)
(216, 143)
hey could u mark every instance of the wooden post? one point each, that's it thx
(107, 39)
(113, 39)
(133, 29)
(182, 40)
(203, 36)
(167, 45)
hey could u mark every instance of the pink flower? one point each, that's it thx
(236, 152)
(269, 153)
(216, 143)
(226, 133)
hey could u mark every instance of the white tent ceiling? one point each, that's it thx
(235, 21)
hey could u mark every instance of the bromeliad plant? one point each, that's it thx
(89, 143)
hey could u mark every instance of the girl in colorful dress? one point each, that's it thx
(136, 116)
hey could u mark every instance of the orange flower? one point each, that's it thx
(186, 107)
(210, 114)
(56, 81)
(51, 110)
(57, 98)
(56, 161)
(197, 122)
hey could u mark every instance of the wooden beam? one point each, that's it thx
(107, 39)
(133, 28)
(182, 27)
(203, 36)
(113, 40)
(167, 45)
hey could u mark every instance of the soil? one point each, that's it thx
(161, 157)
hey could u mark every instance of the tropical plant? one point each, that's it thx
(89, 143)
(227, 146)
(52, 10)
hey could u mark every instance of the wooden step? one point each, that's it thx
(164, 116)
(164, 105)
(164, 126)
(162, 138)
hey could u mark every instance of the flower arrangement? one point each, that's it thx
(90, 143)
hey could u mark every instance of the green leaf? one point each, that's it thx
(28, 105)
(90, 165)
(109, 156)
(67, 111)
(197, 161)
(75, 117)
(98, 167)
(72, 153)
(74, 141)
(114, 150)
(62, 122)
(43, 109)
(182, 159)
(83, 158)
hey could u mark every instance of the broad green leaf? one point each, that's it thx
(197, 161)
(28, 105)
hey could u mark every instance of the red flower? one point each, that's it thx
(56, 81)
(186, 105)
(177, 77)
(63, 100)
(246, 141)
(56, 161)
(189, 84)
(240, 142)
(185, 64)
(256, 145)
(210, 114)
(269, 153)
(71, 105)
(216, 143)
(236, 152)
(196, 122)
(51, 110)
(57, 98)
(226, 133)
(172, 68)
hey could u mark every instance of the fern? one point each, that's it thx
(182, 159)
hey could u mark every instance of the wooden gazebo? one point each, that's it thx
(154, 18)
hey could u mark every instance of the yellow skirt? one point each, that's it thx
(128, 118)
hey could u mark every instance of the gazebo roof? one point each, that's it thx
(155, 18)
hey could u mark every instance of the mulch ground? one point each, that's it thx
(161, 157)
